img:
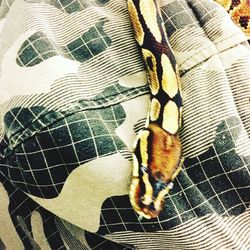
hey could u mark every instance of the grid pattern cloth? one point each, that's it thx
(73, 96)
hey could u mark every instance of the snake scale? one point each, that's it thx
(157, 156)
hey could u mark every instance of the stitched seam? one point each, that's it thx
(29, 131)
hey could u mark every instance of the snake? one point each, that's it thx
(157, 151)
(157, 147)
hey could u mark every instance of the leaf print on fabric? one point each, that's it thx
(38, 47)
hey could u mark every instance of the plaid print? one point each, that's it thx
(216, 181)
(38, 47)
(71, 6)
(21, 208)
(66, 140)
(43, 163)
(22, 123)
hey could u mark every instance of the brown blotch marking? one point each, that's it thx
(163, 144)
(239, 12)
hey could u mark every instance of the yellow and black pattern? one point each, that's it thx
(157, 149)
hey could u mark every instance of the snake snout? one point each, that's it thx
(152, 198)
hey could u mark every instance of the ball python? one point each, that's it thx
(157, 148)
(157, 157)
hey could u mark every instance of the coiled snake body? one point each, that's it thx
(157, 148)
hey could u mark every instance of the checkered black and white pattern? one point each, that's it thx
(84, 125)
(38, 47)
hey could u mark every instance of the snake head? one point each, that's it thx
(156, 162)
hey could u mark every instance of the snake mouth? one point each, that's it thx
(147, 194)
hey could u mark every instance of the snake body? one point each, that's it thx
(157, 148)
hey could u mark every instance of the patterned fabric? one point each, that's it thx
(73, 96)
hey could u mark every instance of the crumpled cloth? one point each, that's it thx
(74, 94)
